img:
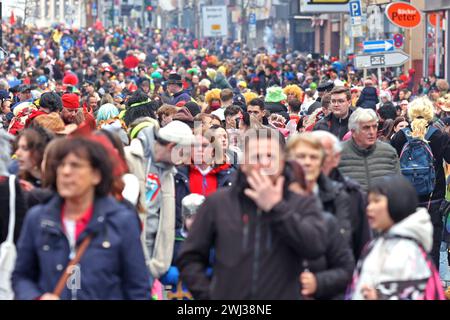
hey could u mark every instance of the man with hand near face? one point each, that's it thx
(259, 229)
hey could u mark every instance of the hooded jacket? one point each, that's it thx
(257, 254)
(157, 196)
(368, 98)
(116, 272)
(393, 258)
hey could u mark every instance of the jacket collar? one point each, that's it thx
(51, 220)
(327, 192)
(361, 151)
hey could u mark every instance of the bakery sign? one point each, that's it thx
(404, 15)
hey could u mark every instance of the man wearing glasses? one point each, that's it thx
(337, 121)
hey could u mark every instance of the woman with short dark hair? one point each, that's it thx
(395, 266)
(113, 265)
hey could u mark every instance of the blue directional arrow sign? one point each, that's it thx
(378, 46)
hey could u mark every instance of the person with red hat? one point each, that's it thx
(71, 108)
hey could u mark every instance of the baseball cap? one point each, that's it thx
(176, 132)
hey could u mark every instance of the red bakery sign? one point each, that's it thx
(403, 15)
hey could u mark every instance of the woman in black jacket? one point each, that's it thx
(308, 152)
(327, 277)
(421, 113)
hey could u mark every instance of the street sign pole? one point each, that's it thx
(380, 81)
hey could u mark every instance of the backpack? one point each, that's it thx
(417, 162)
(431, 288)
(8, 251)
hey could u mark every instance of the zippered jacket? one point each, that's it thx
(257, 254)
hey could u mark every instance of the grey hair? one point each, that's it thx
(322, 134)
(5, 152)
(361, 115)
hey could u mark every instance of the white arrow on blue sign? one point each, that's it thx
(378, 46)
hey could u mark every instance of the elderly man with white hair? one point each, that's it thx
(363, 158)
(361, 233)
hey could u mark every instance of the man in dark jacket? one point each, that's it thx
(175, 88)
(259, 229)
(361, 233)
(337, 121)
(368, 97)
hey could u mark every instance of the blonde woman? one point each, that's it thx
(420, 114)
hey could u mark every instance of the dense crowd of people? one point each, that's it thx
(147, 164)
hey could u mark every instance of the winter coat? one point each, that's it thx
(368, 98)
(440, 147)
(157, 196)
(392, 260)
(363, 165)
(258, 254)
(333, 270)
(336, 201)
(21, 208)
(180, 96)
(338, 127)
(116, 272)
(361, 233)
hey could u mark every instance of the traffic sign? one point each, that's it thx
(381, 60)
(252, 18)
(398, 40)
(355, 8)
(378, 46)
(67, 42)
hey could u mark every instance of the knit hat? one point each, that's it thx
(242, 84)
(275, 94)
(205, 83)
(402, 196)
(107, 111)
(71, 101)
(177, 132)
(70, 79)
(156, 75)
(211, 73)
(174, 78)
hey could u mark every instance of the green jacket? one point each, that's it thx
(363, 165)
